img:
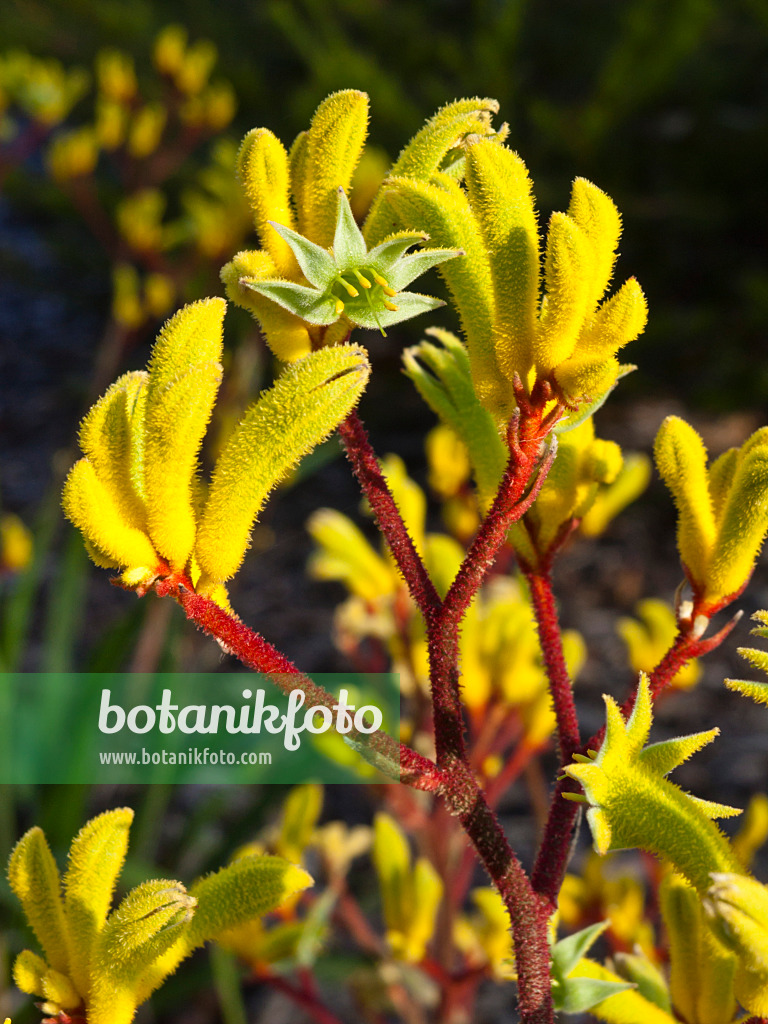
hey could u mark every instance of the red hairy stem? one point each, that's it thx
(551, 640)
(509, 505)
(528, 913)
(366, 468)
(555, 849)
(258, 654)
(685, 648)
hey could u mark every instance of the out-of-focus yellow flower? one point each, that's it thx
(73, 154)
(146, 130)
(448, 460)
(366, 181)
(603, 891)
(219, 105)
(649, 639)
(584, 463)
(43, 89)
(612, 498)
(170, 46)
(484, 935)
(127, 308)
(111, 123)
(116, 75)
(410, 893)
(140, 220)
(159, 294)
(501, 658)
(196, 66)
(15, 544)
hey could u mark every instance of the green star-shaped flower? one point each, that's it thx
(347, 280)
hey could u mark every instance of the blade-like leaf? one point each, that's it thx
(567, 952)
(575, 995)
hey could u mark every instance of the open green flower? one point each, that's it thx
(348, 281)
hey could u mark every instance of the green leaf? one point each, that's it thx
(575, 995)
(568, 951)
(442, 376)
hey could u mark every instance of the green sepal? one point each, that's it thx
(312, 306)
(311, 397)
(34, 878)
(317, 264)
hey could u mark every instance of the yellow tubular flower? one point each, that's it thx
(570, 335)
(701, 968)
(649, 639)
(136, 497)
(103, 964)
(722, 510)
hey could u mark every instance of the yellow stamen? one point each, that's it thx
(339, 307)
(350, 289)
(390, 305)
(364, 282)
(379, 279)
